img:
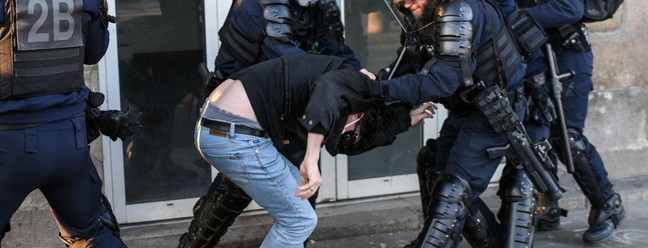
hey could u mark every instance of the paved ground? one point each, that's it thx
(385, 222)
(393, 222)
(632, 233)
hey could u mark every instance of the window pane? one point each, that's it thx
(161, 43)
(374, 35)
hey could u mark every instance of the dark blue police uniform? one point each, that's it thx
(444, 58)
(42, 123)
(465, 134)
(570, 40)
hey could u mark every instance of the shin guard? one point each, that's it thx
(446, 212)
(517, 213)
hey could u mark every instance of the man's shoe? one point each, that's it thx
(599, 232)
(603, 221)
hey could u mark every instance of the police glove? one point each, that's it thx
(117, 124)
(383, 74)
(541, 108)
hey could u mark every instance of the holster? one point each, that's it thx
(95, 99)
(571, 36)
(210, 79)
(493, 102)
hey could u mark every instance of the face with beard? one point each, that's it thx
(416, 7)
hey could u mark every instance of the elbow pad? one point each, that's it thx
(454, 30)
(278, 18)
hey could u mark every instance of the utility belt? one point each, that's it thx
(573, 36)
(461, 102)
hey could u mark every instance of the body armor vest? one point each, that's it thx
(246, 48)
(41, 48)
(489, 70)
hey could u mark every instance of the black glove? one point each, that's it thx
(541, 108)
(117, 124)
(383, 74)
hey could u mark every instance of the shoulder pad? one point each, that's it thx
(278, 18)
(278, 31)
(276, 11)
(453, 10)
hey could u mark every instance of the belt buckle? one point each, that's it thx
(217, 132)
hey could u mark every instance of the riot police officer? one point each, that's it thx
(42, 125)
(459, 53)
(569, 38)
(255, 31)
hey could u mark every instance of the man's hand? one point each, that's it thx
(425, 110)
(368, 73)
(311, 178)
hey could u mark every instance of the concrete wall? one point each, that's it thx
(616, 121)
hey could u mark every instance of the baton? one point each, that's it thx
(556, 88)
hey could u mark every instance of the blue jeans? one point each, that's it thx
(256, 166)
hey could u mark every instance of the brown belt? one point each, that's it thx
(220, 128)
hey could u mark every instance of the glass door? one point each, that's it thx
(152, 70)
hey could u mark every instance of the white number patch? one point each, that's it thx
(49, 24)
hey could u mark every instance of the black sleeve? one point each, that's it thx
(379, 127)
(334, 96)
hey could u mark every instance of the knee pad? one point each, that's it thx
(517, 213)
(446, 212)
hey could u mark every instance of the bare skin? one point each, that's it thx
(416, 7)
(231, 96)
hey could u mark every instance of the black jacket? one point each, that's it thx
(317, 92)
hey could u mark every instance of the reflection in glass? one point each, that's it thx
(374, 35)
(161, 44)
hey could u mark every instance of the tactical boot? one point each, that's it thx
(603, 221)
